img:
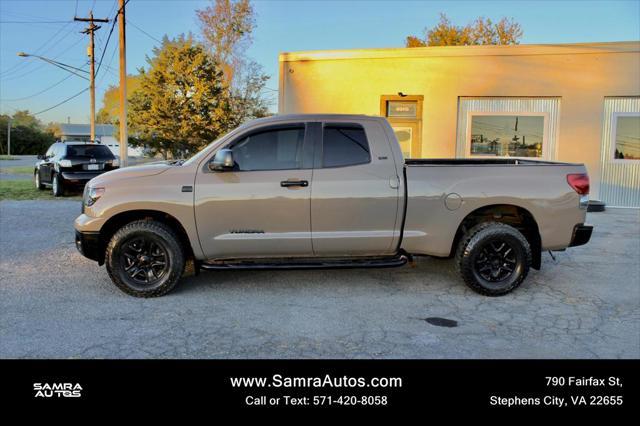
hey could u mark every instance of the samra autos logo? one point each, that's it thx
(57, 390)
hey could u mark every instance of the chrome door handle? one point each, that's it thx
(294, 183)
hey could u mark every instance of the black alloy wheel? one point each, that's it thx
(493, 258)
(495, 261)
(145, 260)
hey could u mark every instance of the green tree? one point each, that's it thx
(479, 32)
(227, 27)
(27, 135)
(24, 118)
(182, 103)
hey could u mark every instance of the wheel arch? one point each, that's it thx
(511, 214)
(117, 221)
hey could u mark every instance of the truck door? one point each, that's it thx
(355, 196)
(261, 208)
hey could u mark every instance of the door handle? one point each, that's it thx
(293, 183)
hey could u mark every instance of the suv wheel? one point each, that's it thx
(145, 259)
(56, 186)
(493, 258)
(36, 178)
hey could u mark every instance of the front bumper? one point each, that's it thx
(581, 235)
(90, 245)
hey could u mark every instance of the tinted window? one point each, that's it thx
(344, 145)
(277, 149)
(99, 152)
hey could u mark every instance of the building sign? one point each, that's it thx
(402, 109)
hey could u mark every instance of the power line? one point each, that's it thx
(10, 73)
(113, 26)
(38, 93)
(35, 22)
(106, 45)
(143, 31)
(65, 101)
(31, 71)
(23, 64)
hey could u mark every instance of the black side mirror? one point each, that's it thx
(40, 157)
(222, 161)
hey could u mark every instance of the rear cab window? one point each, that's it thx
(344, 145)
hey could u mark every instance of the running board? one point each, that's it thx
(379, 262)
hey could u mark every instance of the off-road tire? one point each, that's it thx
(57, 188)
(160, 234)
(36, 180)
(471, 248)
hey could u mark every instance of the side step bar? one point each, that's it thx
(378, 262)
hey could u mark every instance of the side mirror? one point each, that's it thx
(222, 161)
(40, 157)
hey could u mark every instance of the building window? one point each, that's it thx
(507, 135)
(626, 137)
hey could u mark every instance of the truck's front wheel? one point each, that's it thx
(493, 258)
(145, 258)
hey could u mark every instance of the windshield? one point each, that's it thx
(99, 152)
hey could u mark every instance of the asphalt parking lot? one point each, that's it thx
(56, 304)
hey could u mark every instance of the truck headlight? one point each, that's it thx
(93, 195)
(65, 163)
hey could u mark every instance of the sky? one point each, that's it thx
(282, 26)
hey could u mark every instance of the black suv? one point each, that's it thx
(69, 164)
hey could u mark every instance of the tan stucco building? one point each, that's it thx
(571, 102)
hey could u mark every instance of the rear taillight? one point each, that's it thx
(579, 182)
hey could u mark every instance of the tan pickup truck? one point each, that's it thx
(328, 191)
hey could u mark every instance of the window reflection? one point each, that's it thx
(627, 138)
(507, 135)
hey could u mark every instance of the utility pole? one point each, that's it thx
(9, 137)
(124, 137)
(91, 29)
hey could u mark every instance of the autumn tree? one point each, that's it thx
(110, 110)
(182, 103)
(227, 27)
(481, 31)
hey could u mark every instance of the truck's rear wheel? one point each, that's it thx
(493, 258)
(145, 259)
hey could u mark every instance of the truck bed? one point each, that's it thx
(442, 192)
(477, 162)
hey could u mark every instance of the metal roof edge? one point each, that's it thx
(435, 51)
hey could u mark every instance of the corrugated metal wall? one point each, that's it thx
(620, 181)
(550, 106)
